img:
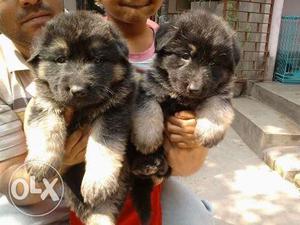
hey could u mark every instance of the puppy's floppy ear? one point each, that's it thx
(236, 51)
(164, 35)
(121, 44)
(122, 48)
(34, 58)
(36, 47)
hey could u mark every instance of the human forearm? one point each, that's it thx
(13, 169)
(10, 171)
(12, 141)
(185, 162)
(11, 174)
(74, 154)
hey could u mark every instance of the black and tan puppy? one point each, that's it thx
(193, 70)
(80, 61)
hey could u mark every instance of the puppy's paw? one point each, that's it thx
(95, 188)
(43, 168)
(149, 165)
(100, 219)
(210, 134)
(147, 143)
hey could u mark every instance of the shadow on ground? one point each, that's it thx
(242, 189)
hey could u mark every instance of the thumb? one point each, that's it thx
(185, 115)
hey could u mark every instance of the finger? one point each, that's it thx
(173, 146)
(73, 140)
(185, 115)
(80, 157)
(81, 144)
(171, 128)
(76, 159)
(183, 145)
(174, 129)
(175, 138)
(182, 123)
(188, 145)
(68, 114)
(71, 155)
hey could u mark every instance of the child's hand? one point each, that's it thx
(184, 153)
(180, 130)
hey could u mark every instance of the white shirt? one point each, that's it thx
(14, 96)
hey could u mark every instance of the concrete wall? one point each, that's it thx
(291, 8)
(214, 6)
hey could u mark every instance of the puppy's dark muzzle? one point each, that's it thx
(79, 91)
(194, 88)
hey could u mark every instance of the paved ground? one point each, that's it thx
(242, 189)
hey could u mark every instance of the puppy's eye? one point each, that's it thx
(186, 56)
(98, 60)
(61, 59)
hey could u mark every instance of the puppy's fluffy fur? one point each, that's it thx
(193, 69)
(81, 61)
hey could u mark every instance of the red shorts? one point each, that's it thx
(129, 216)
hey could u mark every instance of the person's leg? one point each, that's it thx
(180, 206)
(10, 215)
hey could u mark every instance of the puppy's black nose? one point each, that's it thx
(194, 87)
(78, 91)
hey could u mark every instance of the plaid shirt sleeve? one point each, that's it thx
(12, 138)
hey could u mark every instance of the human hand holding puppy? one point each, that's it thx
(74, 154)
(75, 146)
(185, 155)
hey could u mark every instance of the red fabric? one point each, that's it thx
(129, 216)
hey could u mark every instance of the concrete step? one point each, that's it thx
(261, 127)
(285, 160)
(285, 98)
(242, 189)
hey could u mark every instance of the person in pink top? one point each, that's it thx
(184, 154)
(143, 59)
